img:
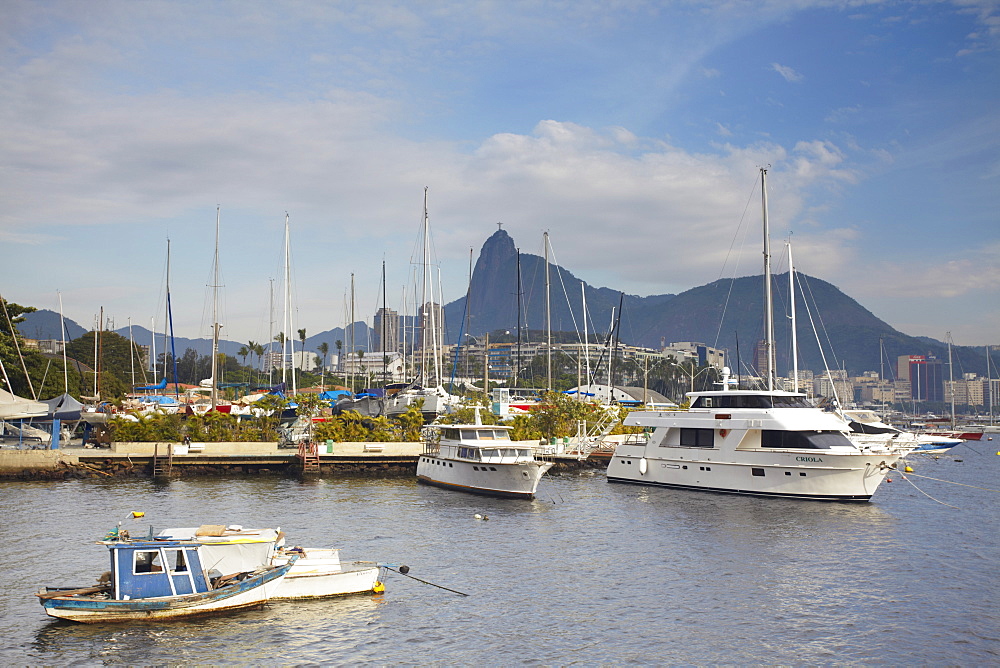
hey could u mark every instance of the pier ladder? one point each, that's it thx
(309, 457)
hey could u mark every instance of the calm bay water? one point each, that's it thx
(590, 573)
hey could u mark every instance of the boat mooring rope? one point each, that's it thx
(925, 493)
(962, 484)
(404, 573)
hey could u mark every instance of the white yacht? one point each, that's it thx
(480, 459)
(757, 442)
(765, 442)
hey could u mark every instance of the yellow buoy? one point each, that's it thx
(378, 588)
(908, 469)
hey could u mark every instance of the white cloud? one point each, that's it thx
(787, 73)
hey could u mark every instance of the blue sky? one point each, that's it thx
(631, 131)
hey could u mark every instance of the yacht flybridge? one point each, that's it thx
(757, 442)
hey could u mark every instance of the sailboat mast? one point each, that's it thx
(285, 360)
(586, 335)
(62, 330)
(768, 299)
(517, 361)
(131, 349)
(951, 382)
(215, 313)
(423, 300)
(548, 318)
(166, 320)
(795, 341)
(382, 346)
(351, 339)
(169, 325)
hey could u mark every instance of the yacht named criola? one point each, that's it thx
(757, 442)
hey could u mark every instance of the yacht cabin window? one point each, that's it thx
(698, 438)
(802, 440)
(752, 401)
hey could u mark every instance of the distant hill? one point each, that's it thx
(44, 324)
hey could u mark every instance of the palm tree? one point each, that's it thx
(252, 347)
(340, 347)
(302, 339)
(323, 349)
(243, 352)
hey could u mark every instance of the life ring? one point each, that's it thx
(723, 433)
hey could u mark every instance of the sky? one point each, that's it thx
(631, 131)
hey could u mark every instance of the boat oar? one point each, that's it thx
(403, 570)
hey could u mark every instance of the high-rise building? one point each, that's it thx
(386, 324)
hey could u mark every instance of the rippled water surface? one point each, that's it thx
(590, 573)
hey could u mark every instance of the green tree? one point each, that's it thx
(115, 363)
(324, 350)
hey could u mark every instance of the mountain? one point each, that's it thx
(724, 314)
(494, 296)
(44, 324)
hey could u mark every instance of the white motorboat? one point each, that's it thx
(480, 459)
(764, 442)
(868, 429)
(319, 573)
(316, 572)
(757, 442)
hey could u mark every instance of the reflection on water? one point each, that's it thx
(589, 572)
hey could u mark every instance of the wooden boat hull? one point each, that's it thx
(251, 592)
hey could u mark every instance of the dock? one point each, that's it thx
(166, 459)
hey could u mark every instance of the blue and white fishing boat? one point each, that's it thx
(156, 579)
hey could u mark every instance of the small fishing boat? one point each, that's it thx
(315, 572)
(480, 459)
(155, 579)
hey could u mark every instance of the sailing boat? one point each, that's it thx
(427, 388)
(212, 383)
(756, 442)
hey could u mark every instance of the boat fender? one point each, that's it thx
(642, 466)
(723, 433)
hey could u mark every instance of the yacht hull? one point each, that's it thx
(513, 481)
(788, 474)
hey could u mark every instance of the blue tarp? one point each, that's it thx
(162, 385)
(334, 395)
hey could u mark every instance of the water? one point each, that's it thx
(590, 573)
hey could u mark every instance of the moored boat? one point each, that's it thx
(155, 579)
(765, 442)
(315, 572)
(480, 459)
(754, 442)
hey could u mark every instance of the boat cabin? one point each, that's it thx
(150, 569)
(489, 444)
